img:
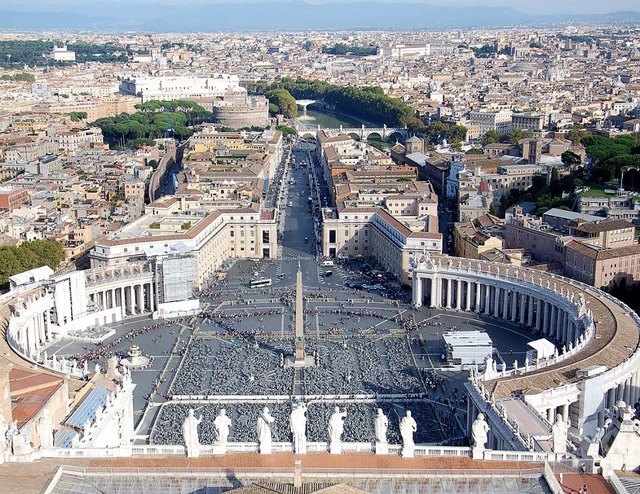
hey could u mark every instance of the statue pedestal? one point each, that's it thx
(335, 448)
(382, 448)
(219, 449)
(265, 449)
(193, 452)
(408, 452)
(477, 453)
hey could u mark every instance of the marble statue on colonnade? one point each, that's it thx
(44, 428)
(335, 429)
(479, 436)
(298, 425)
(265, 419)
(407, 427)
(190, 434)
(559, 432)
(381, 426)
(222, 423)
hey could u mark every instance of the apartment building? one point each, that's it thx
(512, 177)
(534, 122)
(601, 267)
(13, 197)
(487, 120)
(472, 239)
(374, 232)
(182, 224)
(72, 142)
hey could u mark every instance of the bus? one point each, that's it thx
(260, 282)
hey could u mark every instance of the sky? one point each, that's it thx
(528, 6)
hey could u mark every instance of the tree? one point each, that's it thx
(29, 255)
(571, 159)
(491, 137)
(516, 136)
(576, 134)
(283, 99)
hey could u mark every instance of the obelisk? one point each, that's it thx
(300, 357)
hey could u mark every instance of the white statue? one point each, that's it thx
(264, 431)
(190, 434)
(407, 427)
(44, 428)
(335, 429)
(479, 432)
(222, 423)
(381, 426)
(559, 435)
(298, 425)
(4, 427)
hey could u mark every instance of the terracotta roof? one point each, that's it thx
(600, 254)
(602, 226)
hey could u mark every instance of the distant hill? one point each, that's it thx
(276, 16)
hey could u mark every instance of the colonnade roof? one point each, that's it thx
(10, 359)
(616, 339)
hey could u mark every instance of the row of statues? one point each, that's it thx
(298, 427)
(18, 442)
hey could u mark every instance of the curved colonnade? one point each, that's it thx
(596, 336)
(39, 313)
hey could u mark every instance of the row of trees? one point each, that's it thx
(29, 255)
(18, 53)
(558, 193)
(345, 49)
(367, 103)
(20, 77)
(155, 120)
(611, 156)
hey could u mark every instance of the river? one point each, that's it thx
(313, 118)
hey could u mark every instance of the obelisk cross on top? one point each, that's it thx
(300, 357)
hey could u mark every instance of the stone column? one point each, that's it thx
(547, 318)
(417, 291)
(523, 309)
(47, 323)
(449, 281)
(467, 296)
(505, 304)
(434, 291)
(565, 324)
(611, 398)
(565, 412)
(130, 300)
(477, 289)
(553, 330)
(627, 391)
(487, 298)
(496, 301)
(514, 305)
(152, 303)
(559, 325)
(458, 294)
(550, 417)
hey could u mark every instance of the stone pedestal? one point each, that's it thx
(408, 452)
(335, 448)
(382, 448)
(193, 452)
(477, 453)
(265, 449)
(219, 449)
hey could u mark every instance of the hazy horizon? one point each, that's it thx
(541, 7)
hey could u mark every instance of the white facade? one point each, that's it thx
(170, 88)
